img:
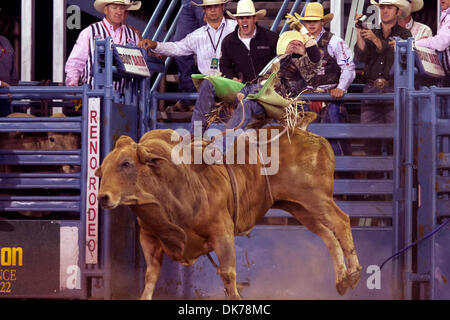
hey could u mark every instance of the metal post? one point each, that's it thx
(293, 10)
(397, 275)
(153, 19)
(106, 148)
(59, 39)
(280, 14)
(59, 43)
(84, 160)
(337, 24)
(27, 40)
(350, 35)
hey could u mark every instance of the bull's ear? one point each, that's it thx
(148, 158)
(123, 141)
(98, 172)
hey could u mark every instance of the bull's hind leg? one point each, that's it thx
(310, 219)
(335, 220)
(345, 238)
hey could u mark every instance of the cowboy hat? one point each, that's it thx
(134, 5)
(209, 3)
(403, 5)
(314, 12)
(246, 8)
(286, 38)
(99, 5)
(416, 5)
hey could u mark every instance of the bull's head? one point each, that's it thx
(143, 177)
(122, 172)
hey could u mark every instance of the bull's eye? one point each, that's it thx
(126, 164)
(52, 139)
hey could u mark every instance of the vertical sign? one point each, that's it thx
(92, 181)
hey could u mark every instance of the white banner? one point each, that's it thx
(92, 209)
(133, 61)
(430, 62)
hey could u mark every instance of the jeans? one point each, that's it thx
(204, 104)
(243, 116)
(377, 112)
(206, 101)
(191, 18)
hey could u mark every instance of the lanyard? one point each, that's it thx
(109, 34)
(220, 37)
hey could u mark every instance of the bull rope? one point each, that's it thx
(415, 243)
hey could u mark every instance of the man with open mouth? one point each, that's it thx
(245, 52)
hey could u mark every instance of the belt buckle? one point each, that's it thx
(380, 83)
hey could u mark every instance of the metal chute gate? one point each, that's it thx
(55, 240)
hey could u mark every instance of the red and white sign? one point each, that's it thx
(92, 209)
(133, 61)
(430, 62)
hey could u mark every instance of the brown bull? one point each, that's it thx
(40, 141)
(187, 210)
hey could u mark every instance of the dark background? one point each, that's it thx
(10, 28)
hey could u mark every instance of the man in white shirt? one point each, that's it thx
(417, 29)
(205, 42)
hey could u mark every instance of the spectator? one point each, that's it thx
(80, 62)
(8, 73)
(205, 42)
(245, 52)
(337, 70)
(250, 47)
(441, 41)
(376, 49)
(417, 29)
(191, 18)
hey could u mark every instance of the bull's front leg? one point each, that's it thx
(223, 245)
(153, 254)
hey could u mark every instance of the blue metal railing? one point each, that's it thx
(135, 96)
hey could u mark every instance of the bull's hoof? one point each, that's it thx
(342, 287)
(353, 279)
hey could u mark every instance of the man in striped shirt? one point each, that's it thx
(79, 64)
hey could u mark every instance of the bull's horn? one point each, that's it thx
(123, 141)
(147, 157)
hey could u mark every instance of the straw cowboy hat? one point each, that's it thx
(416, 5)
(403, 5)
(246, 8)
(314, 12)
(99, 5)
(209, 3)
(286, 37)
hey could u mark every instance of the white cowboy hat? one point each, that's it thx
(134, 5)
(209, 3)
(416, 5)
(246, 8)
(403, 5)
(99, 5)
(314, 12)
